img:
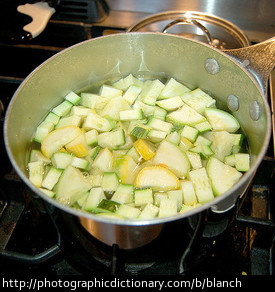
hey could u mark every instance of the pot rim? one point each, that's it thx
(137, 222)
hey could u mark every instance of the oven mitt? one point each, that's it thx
(40, 13)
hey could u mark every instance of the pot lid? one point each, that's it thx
(203, 27)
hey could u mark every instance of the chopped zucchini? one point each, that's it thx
(221, 120)
(36, 172)
(95, 121)
(195, 159)
(149, 211)
(110, 182)
(104, 160)
(73, 120)
(127, 211)
(51, 178)
(156, 136)
(173, 88)
(72, 185)
(53, 118)
(91, 138)
(63, 108)
(80, 163)
(230, 160)
(185, 144)
(176, 195)
(114, 107)
(167, 207)
(160, 125)
(78, 146)
(81, 111)
(112, 139)
(134, 154)
(188, 193)
(125, 168)
(124, 194)
(143, 197)
(151, 92)
(203, 127)
(73, 98)
(95, 197)
(159, 113)
(158, 196)
(242, 161)
(42, 131)
(174, 138)
(190, 133)
(109, 91)
(58, 138)
(139, 132)
(198, 100)
(93, 101)
(201, 184)
(173, 158)
(132, 93)
(49, 193)
(61, 159)
(130, 115)
(157, 178)
(36, 155)
(222, 176)
(185, 115)
(144, 149)
(170, 104)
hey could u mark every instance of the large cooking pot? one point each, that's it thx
(154, 54)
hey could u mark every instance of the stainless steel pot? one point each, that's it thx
(154, 54)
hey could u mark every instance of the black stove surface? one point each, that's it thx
(37, 239)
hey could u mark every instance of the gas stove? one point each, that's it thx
(37, 239)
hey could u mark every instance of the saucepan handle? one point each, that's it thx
(40, 12)
(258, 59)
(181, 21)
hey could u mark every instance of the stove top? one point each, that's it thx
(37, 239)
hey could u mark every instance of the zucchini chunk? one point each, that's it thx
(157, 178)
(173, 157)
(58, 138)
(222, 176)
(221, 120)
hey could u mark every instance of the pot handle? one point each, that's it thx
(192, 22)
(40, 13)
(258, 59)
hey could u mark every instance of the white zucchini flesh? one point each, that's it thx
(188, 193)
(36, 172)
(51, 178)
(111, 139)
(71, 186)
(170, 104)
(97, 122)
(173, 157)
(157, 178)
(221, 120)
(222, 176)
(198, 100)
(56, 139)
(143, 197)
(95, 196)
(167, 207)
(124, 194)
(185, 115)
(173, 88)
(127, 211)
(202, 185)
(149, 211)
